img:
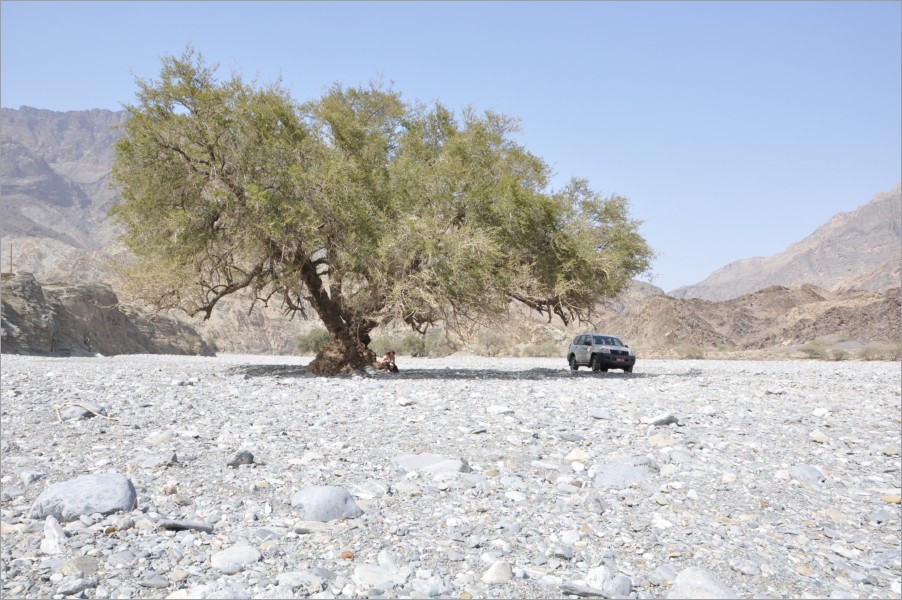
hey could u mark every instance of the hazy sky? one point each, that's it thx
(734, 128)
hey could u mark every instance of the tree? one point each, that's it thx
(357, 205)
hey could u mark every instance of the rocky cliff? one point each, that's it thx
(85, 320)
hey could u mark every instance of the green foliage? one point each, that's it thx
(311, 342)
(816, 349)
(543, 349)
(691, 352)
(880, 352)
(412, 344)
(361, 206)
(491, 343)
(838, 354)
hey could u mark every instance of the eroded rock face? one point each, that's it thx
(84, 320)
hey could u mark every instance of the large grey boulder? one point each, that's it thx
(325, 503)
(103, 493)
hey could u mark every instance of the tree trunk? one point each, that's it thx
(347, 351)
(343, 354)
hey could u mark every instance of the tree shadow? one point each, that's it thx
(448, 373)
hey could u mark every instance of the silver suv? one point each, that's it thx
(601, 352)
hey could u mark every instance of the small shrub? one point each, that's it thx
(542, 350)
(691, 352)
(415, 344)
(412, 344)
(311, 342)
(438, 345)
(211, 344)
(838, 354)
(815, 349)
(880, 352)
(490, 343)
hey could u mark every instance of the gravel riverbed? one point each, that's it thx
(464, 477)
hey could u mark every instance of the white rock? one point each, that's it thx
(432, 463)
(369, 576)
(54, 541)
(234, 559)
(499, 572)
(696, 583)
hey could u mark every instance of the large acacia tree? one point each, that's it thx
(357, 205)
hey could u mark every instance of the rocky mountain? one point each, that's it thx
(55, 176)
(54, 180)
(55, 184)
(773, 318)
(84, 320)
(853, 250)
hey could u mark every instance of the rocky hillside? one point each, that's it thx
(84, 320)
(853, 250)
(54, 175)
(776, 317)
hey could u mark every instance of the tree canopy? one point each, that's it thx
(358, 205)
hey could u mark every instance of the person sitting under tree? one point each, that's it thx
(387, 362)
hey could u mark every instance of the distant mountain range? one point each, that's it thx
(55, 188)
(860, 250)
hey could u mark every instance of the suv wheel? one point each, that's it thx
(627, 369)
(596, 363)
(572, 361)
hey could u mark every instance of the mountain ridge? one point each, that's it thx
(858, 249)
(55, 173)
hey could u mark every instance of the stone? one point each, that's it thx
(698, 584)
(86, 565)
(84, 410)
(595, 503)
(76, 586)
(171, 525)
(625, 471)
(242, 457)
(432, 463)
(156, 582)
(806, 473)
(662, 419)
(599, 577)
(577, 454)
(30, 476)
(601, 414)
(369, 576)
(54, 541)
(661, 440)
(663, 575)
(104, 493)
(325, 503)
(234, 559)
(499, 572)
(819, 437)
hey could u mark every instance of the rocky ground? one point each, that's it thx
(458, 478)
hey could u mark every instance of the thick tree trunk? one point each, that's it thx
(347, 351)
(343, 354)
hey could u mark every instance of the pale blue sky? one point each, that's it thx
(734, 128)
